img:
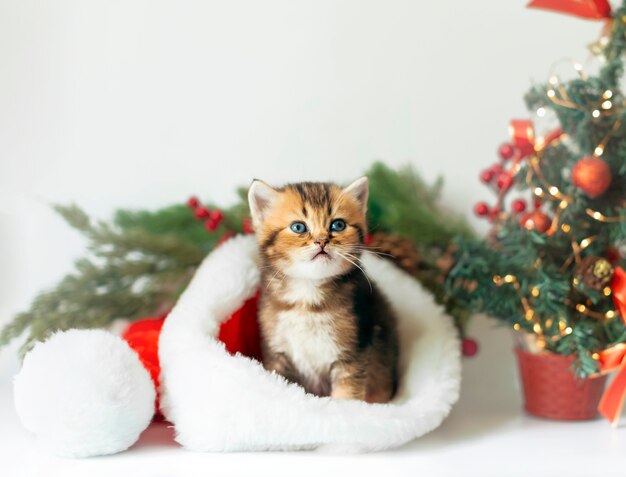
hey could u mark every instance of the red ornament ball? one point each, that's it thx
(469, 347)
(481, 209)
(506, 151)
(592, 175)
(486, 176)
(201, 212)
(193, 202)
(537, 221)
(504, 181)
(518, 205)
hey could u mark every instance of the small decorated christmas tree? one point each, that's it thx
(551, 265)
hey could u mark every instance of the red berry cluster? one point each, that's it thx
(500, 178)
(212, 217)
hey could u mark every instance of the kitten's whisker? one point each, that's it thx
(357, 266)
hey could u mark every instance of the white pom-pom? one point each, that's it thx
(84, 393)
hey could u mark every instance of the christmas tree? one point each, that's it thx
(550, 266)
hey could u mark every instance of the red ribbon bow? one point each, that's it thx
(591, 9)
(614, 358)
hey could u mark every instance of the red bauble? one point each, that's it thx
(201, 212)
(504, 181)
(537, 221)
(481, 209)
(469, 347)
(486, 176)
(592, 175)
(518, 205)
(193, 202)
(506, 151)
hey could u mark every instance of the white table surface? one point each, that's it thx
(487, 434)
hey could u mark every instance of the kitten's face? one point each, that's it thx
(310, 230)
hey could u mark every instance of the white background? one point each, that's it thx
(127, 103)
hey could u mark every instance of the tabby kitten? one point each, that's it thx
(323, 325)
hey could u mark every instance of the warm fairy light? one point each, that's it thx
(599, 150)
(541, 112)
(607, 105)
(554, 190)
(581, 308)
(595, 113)
(608, 94)
(584, 243)
(607, 291)
(576, 281)
(530, 314)
(496, 279)
(538, 191)
(548, 323)
(563, 204)
(539, 142)
(610, 314)
(509, 278)
(537, 328)
(554, 80)
(596, 215)
(595, 356)
(535, 291)
(565, 228)
(551, 93)
(562, 325)
(516, 327)
(568, 330)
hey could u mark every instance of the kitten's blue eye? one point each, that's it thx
(338, 225)
(298, 227)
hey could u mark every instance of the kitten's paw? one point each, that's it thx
(345, 391)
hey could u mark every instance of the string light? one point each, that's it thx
(607, 104)
(568, 330)
(541, 112)
(598, 151)
(610, 314)
(608, 94)
(551, 93)
(538, 191)
(607, 291)
(595, 113)
(565, 228)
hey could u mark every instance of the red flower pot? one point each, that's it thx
(553, 391)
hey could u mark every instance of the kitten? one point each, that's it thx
(323, 324)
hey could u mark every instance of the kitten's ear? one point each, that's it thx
(260, 198)
(359, 190)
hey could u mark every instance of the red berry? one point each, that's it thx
(210, 225)
(486, 176)
(469, 347)
(193, 202)
(537, 203)
(493, 213)
(506, 151)
(504, 181)
(216, 215)
(518, 205)
(497, 169)
(246, 225)
(201, 212)
(481, 209)
(225, 236)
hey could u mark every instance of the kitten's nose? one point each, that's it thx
(322, 242)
